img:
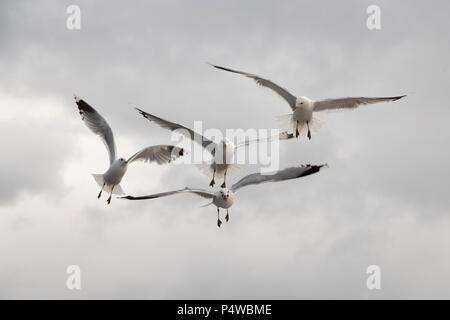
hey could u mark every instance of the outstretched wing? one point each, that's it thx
(349, 103)
(160, 154)
(285, 174)
(282, 136)
(98, 125)
(286, 95)
(189, 133)
(200, 192)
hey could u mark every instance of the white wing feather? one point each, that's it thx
(349, 103)
(200, 192)
(281, 175)
(285, 94)
(98, 125)
(161, 154)
(189, 133)
(282, 136)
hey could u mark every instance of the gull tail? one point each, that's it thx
(208, 169)
(286, 123)
(106, 187)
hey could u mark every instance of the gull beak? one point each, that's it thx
(225, 197)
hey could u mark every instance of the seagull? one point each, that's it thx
(303, 107)
(222, 152)
(224, 198)
(110, 180)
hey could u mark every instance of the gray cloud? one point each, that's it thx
(382, 201)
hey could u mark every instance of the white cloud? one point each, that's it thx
(382, 201)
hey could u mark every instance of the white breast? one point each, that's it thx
(114, 174)
(221, 203)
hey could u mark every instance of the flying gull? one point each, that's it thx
(303, 107)
(224, 198)
(110, 180)
(222, 152)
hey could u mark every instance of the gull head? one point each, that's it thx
(121, 162)
(224, 193)
(303, 101)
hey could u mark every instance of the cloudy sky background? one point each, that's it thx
(384, 200)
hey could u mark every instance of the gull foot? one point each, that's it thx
(297, 133)
(109, 200)
(309, 135)
(219, 223)
(212, 183)
(223, 185)
(227, 217)
(100, 194)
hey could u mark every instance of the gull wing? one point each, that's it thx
(285, 94)
(98, 125)
(172, 126)
(200, 192)
(281, 175)
(350, 103)
(282, 136)
(160, 154)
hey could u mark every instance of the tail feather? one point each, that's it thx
(286, 123)
(208, 169)
(106, 187)
(99, 179)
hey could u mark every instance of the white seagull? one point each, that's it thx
(224, 198)
(110, 180)
(303, 107)
(222, 152)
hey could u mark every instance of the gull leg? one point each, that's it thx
(211, 184)
(224, 178)
(219, 223)
(297, 133)
(100, 194)
(110, 195)
(227, 217)
(309, 131)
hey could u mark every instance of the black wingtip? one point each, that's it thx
(212, 64)
(142, 112)
(311, 169)
(223, 68)
(83, 106)
(399, 97)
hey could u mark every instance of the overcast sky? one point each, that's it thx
(384, 200)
